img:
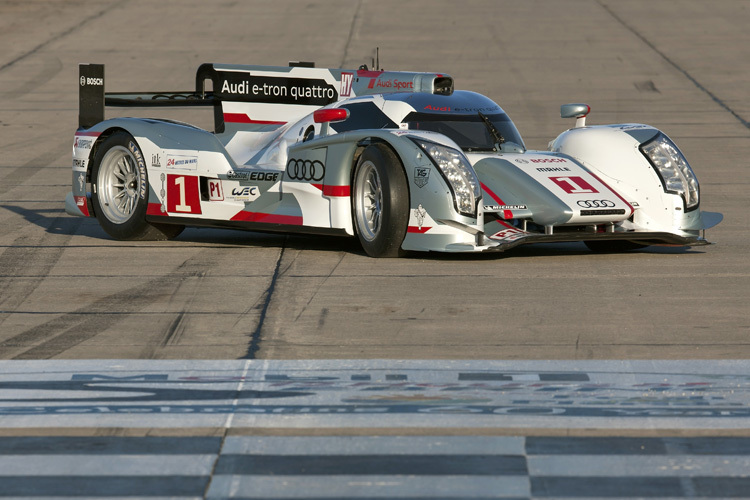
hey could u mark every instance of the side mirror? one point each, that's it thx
(577, 111)
(329, 115)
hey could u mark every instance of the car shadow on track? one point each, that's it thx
(55, 221)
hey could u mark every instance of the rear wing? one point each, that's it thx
(256, 96)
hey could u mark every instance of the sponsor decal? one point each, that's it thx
(79, 164)
(182, 162)
(420, 213)
(141, 169)
(91, 81)
(485, 109)
(500, 208)
(243, 193)
(574, 185)
(83, 143)
(521, 160)
(595, 203)
(390, 84)
(81, 178)
(549, 160)
(552, 169)
(430, 107)
(346, 84)
(305, 170)
(240, 86)
(252, 176)
(155, 160)
(183, 194)
(421, 176)
(215, 192)
(508, 234)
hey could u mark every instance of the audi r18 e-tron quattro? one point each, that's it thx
(400, 160)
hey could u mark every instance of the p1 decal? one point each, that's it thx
(574, 185)
(215, 193)
(183, 194)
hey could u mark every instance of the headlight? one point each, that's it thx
(676, 175)
(459, 173)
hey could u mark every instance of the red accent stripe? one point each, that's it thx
(155, 209)
(507, 214)
(82, 204)
(613, 191)
(88, 134)
(417, 229)
(243, 118)
(290, 220)
(328, 190)
(368, 73)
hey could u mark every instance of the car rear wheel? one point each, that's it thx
(120, 192)
(380, 202)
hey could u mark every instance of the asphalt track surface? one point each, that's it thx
(69, 292)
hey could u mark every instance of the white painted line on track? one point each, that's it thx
(106, 465)
(370, 486)
(374, 445)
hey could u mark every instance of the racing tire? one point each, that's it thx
(613, 246)
(119, 191)
(380, 202)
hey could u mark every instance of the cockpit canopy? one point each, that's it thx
(471, 120)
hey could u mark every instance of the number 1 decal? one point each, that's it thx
(183, 194)
(574, 185)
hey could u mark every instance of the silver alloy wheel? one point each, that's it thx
(117, 184)
(368, 202)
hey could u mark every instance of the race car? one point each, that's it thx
(400, 160)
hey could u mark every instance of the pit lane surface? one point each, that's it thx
(68, 291)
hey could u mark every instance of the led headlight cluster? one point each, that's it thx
(459, 173)
(676, 175)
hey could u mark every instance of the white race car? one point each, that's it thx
(400, 160)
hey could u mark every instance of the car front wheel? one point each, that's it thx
(380, 202)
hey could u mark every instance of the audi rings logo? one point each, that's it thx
(596, 203)
(305, 170)
(83, 81)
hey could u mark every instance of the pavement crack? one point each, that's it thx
(676, 66)
(255, 337)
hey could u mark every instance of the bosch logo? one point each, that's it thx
(305, 170)
(596, 203)
(548, 160)
(91, 81)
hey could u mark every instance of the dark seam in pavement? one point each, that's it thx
(675, 65)
(255, 337)
(59, 36)
(216, 462)
(351, 34)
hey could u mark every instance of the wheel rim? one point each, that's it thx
(118, 184)
(368, 201)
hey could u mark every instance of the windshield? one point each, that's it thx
(468, 131)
